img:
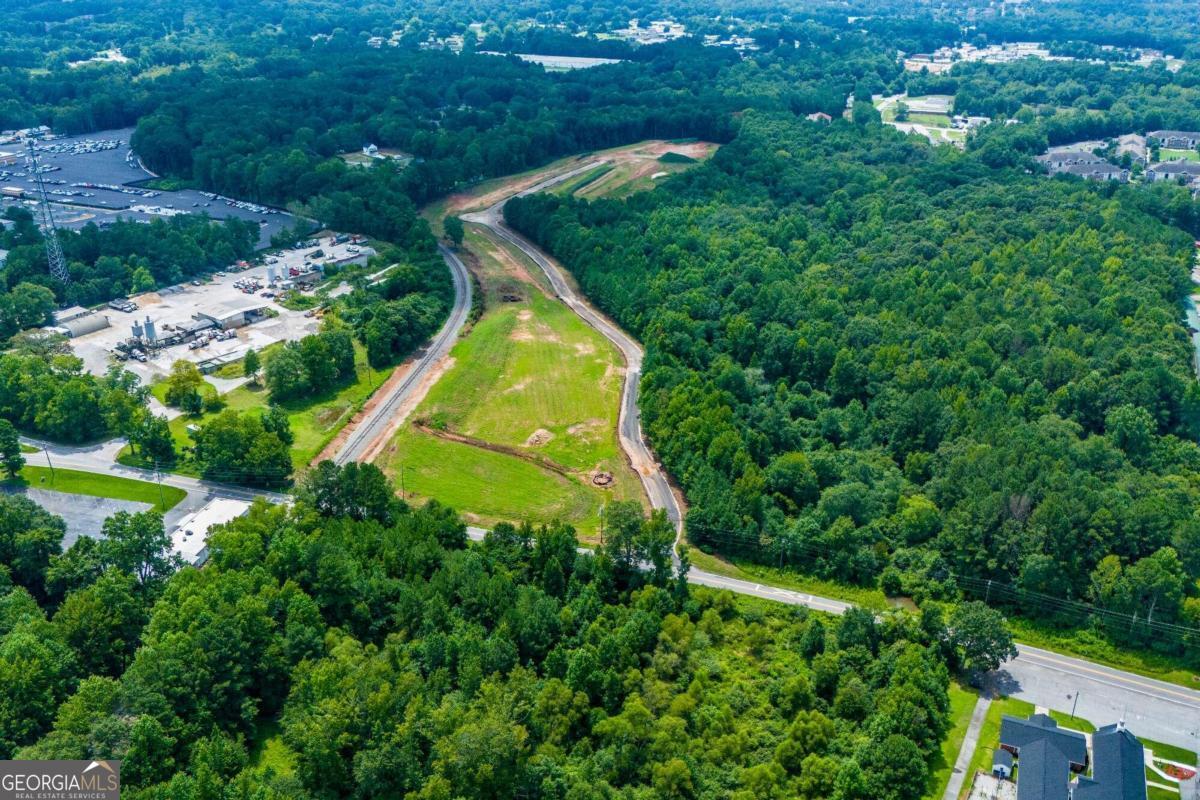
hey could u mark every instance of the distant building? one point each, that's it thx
(190, 540)
(1176, 140)
(1097, 172)
(81, 325)
(375, 41)
(370, 150)
(818, 116)
(1186, 171)
(70, 313)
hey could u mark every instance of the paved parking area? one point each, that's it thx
(83, 514)
(117, 167)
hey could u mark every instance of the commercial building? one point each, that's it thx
(190, 540)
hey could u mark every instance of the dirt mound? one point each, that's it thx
(538, 438)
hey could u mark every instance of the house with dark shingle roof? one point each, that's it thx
(1047, 757)
(1017, 733)
(1118, 768)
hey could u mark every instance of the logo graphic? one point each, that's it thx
(60, 780)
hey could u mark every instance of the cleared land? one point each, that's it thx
(71, 481)
(531, 399)
(645, 154)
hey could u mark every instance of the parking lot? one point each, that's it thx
(89, 179)
(174, 307)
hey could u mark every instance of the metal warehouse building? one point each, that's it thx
(233, 314)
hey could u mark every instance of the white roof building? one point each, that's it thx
(190, 540)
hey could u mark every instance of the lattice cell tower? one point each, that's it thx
(54, 254)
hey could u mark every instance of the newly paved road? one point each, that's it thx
(1154, 709)
(383, 415)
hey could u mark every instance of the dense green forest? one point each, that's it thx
(867, 356)
(121, 258)
(385, 658)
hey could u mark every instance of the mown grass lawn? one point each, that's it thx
(487, 486)
(989, 736)
(1167, 154)
(93, 484)
(962, 704)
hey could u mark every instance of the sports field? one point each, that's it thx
(531, 402)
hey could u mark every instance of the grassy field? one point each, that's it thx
(314, 420)
(471, 200)
(962, 704)
(989, 736)
(1167, 154)
(532, 377)
(93, 484)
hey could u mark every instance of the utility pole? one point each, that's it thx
(162, 502)
(49, 463)
(1074, 703)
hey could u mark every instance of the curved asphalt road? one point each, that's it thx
(376, 423)
(1154, 709)
(629, 421)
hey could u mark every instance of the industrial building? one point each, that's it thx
(190, 540)
(80, 324)
(233, 313)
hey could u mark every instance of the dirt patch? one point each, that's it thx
(329, 415)
(528, 329)
(519, 386)
(589, 429)
(643, 151)
(533, 458)
(585, 348)
(538, 438)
